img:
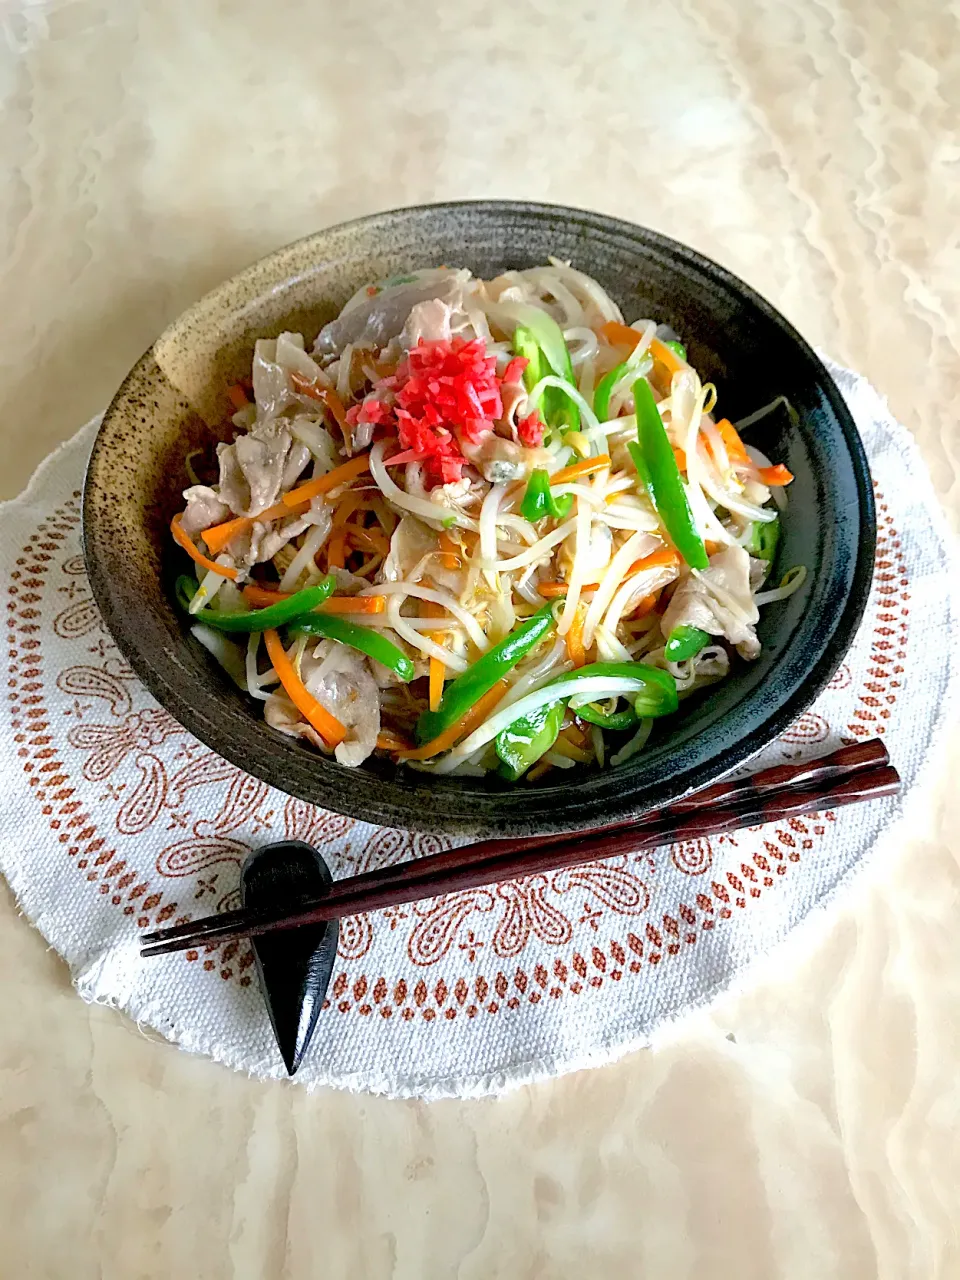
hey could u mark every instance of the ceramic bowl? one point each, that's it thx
(174, 400)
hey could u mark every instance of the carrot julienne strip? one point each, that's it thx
(368, 539)
(237, 396)
(585, 467)
(306, 387)
(774, 477)
(564, 747)
(345, 508)
(437, 670)
(575, 650)
(328, 398)
(736, 451)
(261, 597)
(218, 535)
(575, 735)
(328, 726)
(460, 728)
(336, 550)
(656, 560)
(334, 404)
(662, 353)
(620, 335)
(343, 474)
(646, 605)
(354, 604)
(184, 541)
(449, 552)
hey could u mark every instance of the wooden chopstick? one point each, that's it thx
(846, 776)
(748, 811)
(838, 764)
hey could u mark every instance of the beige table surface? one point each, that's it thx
(806, 1128)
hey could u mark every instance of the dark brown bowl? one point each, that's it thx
(175, 397)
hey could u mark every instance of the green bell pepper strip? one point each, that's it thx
(540, 339)
(604, 390)
(559, 410)
(275, 615)
(548, 336)
(677, 348)
(538, 500)
(663, 478)
(640, 462)
(186, 588)
(614, 720)
(522, 743)
(763, 539)
(363, 639)
(685, 642)
(525, 345)
(658, 698)
(607, 384)
(470, 685)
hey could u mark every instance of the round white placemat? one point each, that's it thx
(115, 820)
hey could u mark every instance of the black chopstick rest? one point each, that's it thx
(294, 965)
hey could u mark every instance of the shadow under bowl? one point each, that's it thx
(174, 400)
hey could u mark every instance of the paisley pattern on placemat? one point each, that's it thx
(85, 719)
(115, 820)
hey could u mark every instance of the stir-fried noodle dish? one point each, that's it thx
(480, 526)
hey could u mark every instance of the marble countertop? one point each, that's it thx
(806, 1127)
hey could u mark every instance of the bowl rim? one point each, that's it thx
(165, 690)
